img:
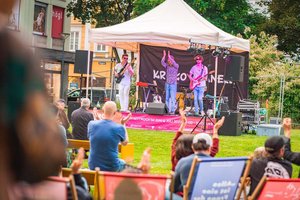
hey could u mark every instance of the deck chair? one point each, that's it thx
(276, 188)
(52, 188)
(112, 185)
(217, 178)
(89, 175)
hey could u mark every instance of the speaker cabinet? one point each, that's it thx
(232, 124)
(157, 109)
(72, 105)
(81, 59)
(235, 68)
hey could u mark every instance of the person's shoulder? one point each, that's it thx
(94, 122)
(187, 158)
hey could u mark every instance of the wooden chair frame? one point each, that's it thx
(126, 151)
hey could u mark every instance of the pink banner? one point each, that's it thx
(166, 122)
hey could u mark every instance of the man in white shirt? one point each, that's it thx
(123, 74)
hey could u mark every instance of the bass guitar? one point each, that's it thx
(121, 75)
(194, 83)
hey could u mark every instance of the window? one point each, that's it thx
(74, 40)
(39, 18)
(100, 48)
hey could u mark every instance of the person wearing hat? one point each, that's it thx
(171, 80)
(272, 165)
(198, 75)
(201, 146)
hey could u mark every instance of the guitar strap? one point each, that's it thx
(201, 73)
(123, 67)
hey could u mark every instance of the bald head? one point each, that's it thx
(109, 109)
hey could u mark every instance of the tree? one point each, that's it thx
(267, 67)
(284, 21)
(101, 13)
(229, 15)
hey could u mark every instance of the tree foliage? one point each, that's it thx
(267, 67)
(284, 21)
(229, 15)
(101, 13)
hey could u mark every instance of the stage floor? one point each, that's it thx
(166, 122)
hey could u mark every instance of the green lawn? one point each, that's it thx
(160, 142)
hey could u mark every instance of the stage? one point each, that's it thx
(165, 122)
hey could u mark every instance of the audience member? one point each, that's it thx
(63, 118)
(82, 192)
(293, 157)
(272, 165)
(259, 153)
(105, 136)
(31, 148)
(62, 129)
(201, 146)
(182, 143)
(80, 119)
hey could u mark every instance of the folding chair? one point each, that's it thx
(89, 175)
(277, 188)
(52, 188)
(217, 178)
(113, 185)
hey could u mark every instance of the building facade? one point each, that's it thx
(103, 59)
(45, 27)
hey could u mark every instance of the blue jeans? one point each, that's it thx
(121, 166)
(198, 97)
(171, 90)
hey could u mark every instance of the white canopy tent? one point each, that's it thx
(171, 24)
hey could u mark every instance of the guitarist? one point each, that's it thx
(198, 74)
(123, 74)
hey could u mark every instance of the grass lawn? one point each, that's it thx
(160, 142)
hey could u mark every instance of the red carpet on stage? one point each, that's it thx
(165, 122)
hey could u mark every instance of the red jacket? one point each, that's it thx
(214, 150)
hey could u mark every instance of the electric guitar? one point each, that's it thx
(121, 73)
(197, 81)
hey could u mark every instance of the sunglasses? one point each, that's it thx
(125, 58)
(198, 59)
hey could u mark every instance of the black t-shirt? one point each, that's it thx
(80, 119)
(269, 167)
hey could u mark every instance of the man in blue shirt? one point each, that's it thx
(105, 136)
(201, 146)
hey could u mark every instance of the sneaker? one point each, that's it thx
(202, 113)
(196, 114)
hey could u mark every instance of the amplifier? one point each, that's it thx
(232, 124)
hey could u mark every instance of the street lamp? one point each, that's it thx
(63, 36)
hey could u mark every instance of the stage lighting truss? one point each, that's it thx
(226, 53)
(198, 47)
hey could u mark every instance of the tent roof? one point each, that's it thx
(172, 24)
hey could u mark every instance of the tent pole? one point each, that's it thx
(88, 66)
(215, 86)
